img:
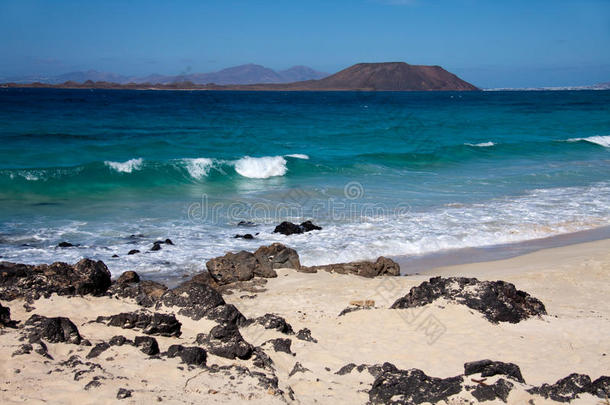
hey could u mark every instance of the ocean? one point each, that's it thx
(394, 174)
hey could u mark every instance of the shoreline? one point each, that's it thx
(426, 263)
(342, 320)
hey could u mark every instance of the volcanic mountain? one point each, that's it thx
(397, 76)
(387, 76)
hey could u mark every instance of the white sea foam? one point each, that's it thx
(30, 177)
(298, 156)
(262, 167)
(599, 140)
(481, 145)
(125, 167)
(198, 168)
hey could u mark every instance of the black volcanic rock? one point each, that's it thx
(150, 324)
(298, 368)
(288, 228)
(31, 282)
(305, 334)
(241, 266)
(564, 390)
(123, 393)
(490, 392)
(194, 298)
(146, 293)
(498, 301)
(189, 355)
(5, 316)
(245, 236)
(273, 321)
(488, 368)
(394, 386)
(54, 330)
(128, 277)
(600, 387)
(261, 360)
(280, 345)
(226, 341)
(278, 256)
(148, 345)
(98, 349)
(119, 340)
(226, 314)
(381, 267)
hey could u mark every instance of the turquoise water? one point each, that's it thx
(383, 173)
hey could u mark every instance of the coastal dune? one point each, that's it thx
(340, 319)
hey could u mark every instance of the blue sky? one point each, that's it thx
(489, 43)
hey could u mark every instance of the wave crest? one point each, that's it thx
(125, 167)
(198, 168)
(262, 167)
(598, 140)
(481, 145)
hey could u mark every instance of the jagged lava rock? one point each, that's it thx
(281, 345)
(226, 341)
(150, 324)
(498, 301)
(5, 316)
(148, 345)
(190, 355)
(128, 277)
(305, 334)
(394, 386)
(146, 293)
(272, 321)
(489, 368)
(564, 390)
(381, 267)
(490, 392)
(98, 349)
(194, 297)
(31, 282)
(241, 266)
(279, 256)
(54, 330)
(288, 228)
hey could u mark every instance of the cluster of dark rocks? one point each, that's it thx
(196, 298)
(151, 324)
(35, 281)
(413, 386)
(381, 267)
(278, 323)
(200, 297)
(288, 228)
(498, 301)
(157, 244)
(243, 266)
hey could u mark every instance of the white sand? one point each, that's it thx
(571, 281)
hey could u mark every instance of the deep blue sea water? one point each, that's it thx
(383, 173)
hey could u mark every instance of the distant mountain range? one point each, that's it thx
(386, 76)
(243, 74)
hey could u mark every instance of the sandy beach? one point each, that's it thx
(438, 339)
